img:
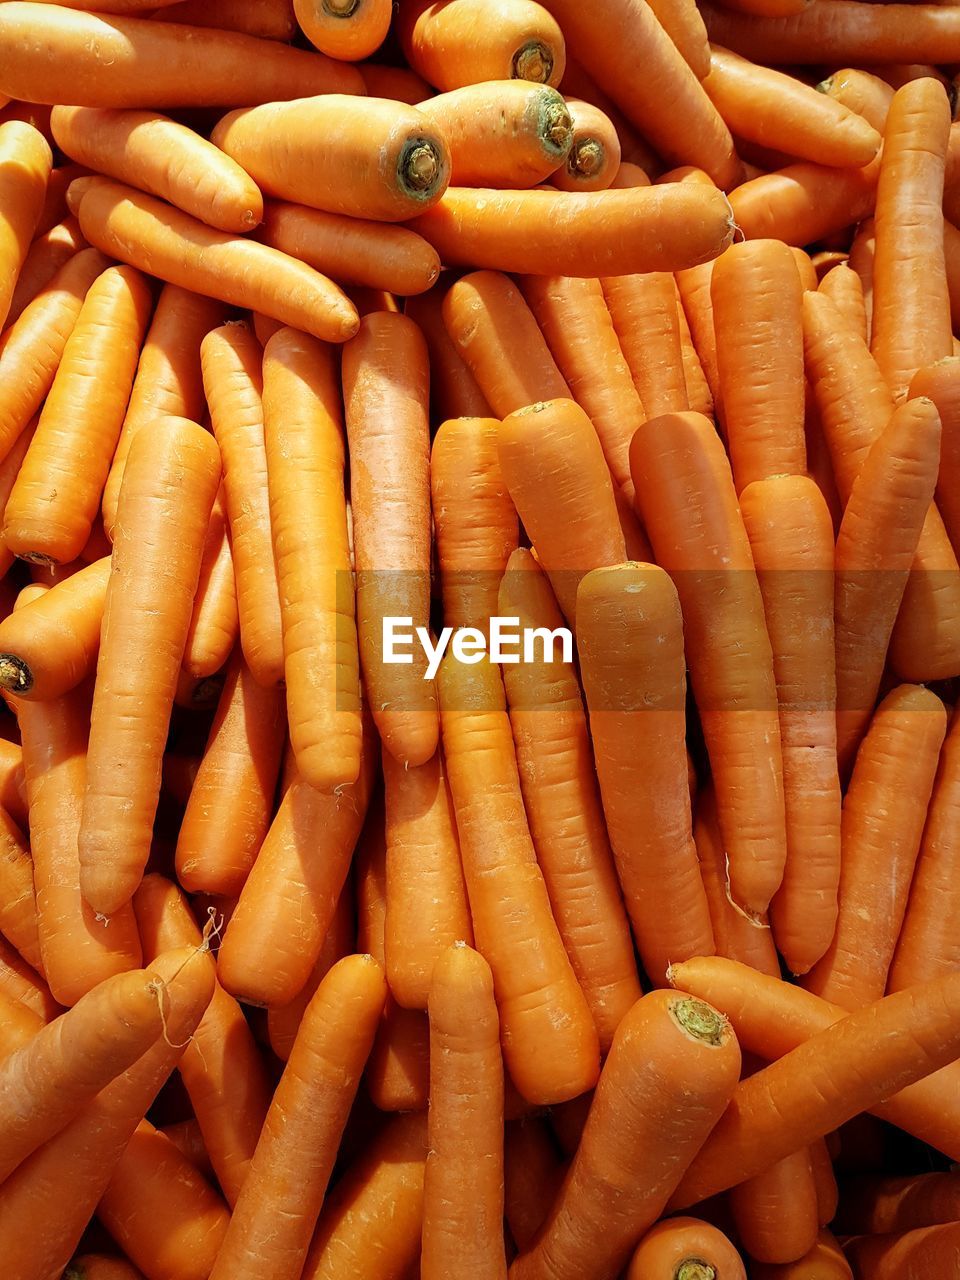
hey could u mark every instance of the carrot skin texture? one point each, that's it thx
(26, 159)
(644, 313)
(154, 572)
(46, 255)
(215, 623)
(20, 982)
(804, 202)
(908, 1256)
(18, 903)
(268, 19)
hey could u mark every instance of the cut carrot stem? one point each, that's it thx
(680, 1247)
(593, 160)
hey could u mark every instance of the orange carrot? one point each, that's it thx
(593, 159)
(862, 252)
(865, 94)
(679, 1248)
(578, 83)
(18, 1025)
(385, 382)
(188, 1140)
(804, 202)
(940, 383)
(638, 1138)
(909, 1256)
(825, 1261)
(269, 19)
(883, 1205)
(344, 29)
(18, 906)
(18, 981)
(679, 467)
(776, 1211)
(694, 287)
(631, 652)
(399, 83)
(843, 287)
(170, 482)
(46, 255)
(304, 436)
(699, 394)
(644, 313)
(26, 161)
(532, 1176)
(55, 208)
(215, 622)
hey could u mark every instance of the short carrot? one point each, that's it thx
(26, 161)
(630, 634)
(344, 29)
(170, 482)
(643, 309)
(680, 1248)
(593, 160)
(804, 202)
(46, 255)
(215, 621)
(18, 906)
(305, 457)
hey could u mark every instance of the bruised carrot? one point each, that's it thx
(593, 160)
(685, 1249)
(18, 907)
(304, 437)
(46, 255)
(804, 202)
(170, 482)
(644, 313)
(215, 622)
(170, 244)
(26, 161)
(136, 62)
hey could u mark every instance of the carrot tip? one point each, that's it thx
(15, 675)
(533, 61)
(421, 168)
(699, 1020)
(694, 1269)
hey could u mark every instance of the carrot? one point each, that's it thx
(825, 1181)
(290, 897)
(304, 436)
(911, 312)
(170, 482)
(18, 981)
(18, 1025)
(153, 153)
(172, 245)
(370, 1225)
(27, 160)
(825, 1261)
(198, 695)
(685, 1249)
(18, 907)
(426, 902)
(355, 252)
(275, 1215)
(463, 1184)
(593, 159)
(907, 1256)
(862, 252)
(882, 1205)
(48, 647)
(699, 395)
(385, 391)
(876, 546)
(757, 299)
(474, 519)
(694, 287)
(215, 622)
(804, 202)
(631, 653)
(344, 29)
(791, 537)
(638, 1138)
(398, 164)
(399, 83)
(684, 26)
(578, 233)
(532, 1176)
(866, 95)
(232, 379)
(188, 1140)
(136, 62)
(168, 380)
(557, 477)
(61, 1182)
(776, 1211)
(55, 499)
(578, 83)
(452, 46)
(55, 209)
(269, 19)
(549, 1039)
(97, 1266)
(575, 321)
(644, 313)
(843, 287)
(46, 255)
(678, 465)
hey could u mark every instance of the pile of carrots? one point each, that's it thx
(633, 320)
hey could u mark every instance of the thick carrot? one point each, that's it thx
(386, 387)
(61, 1182)
(575, 320)
(630, 636)
(593, 160)
(804, 202)
(345, 29)
(463, 1192)
(480, 40)
(861, 92)
(426, 904)
(18, 905)
(172, 245)
(49, 646)
(282, 1195)
(685, 1249)
(578, 233)
(532, 1175)
(554, 468)
(549, 1039)
(843, 287)
(170, 482)
(26, 162)
(639, 1138)
(911, 307)
(269, 19)
(686, 497)
(215, 621)
(286, 905)
(221, 1068)
(18, 981)
(776, 110)
(46, 255)
(304, 434)
(168, 380)
(644, 313)
(757, 299)
(136, 62)
(791, 537)
(370, 1225)
(352, 250)
(825, 1261)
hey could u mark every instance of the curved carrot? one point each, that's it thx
(557, 477)
(861, 92)
(18, 904)
(455, 45)
(168, 380)
(791, 537)
(353, 251)
(593, 160)
(344, 29)
(549, 1040)
(26, 162)
(825, 1261)
(638, 1138)
(686, 496)
(463, 1183)
(50, 645)
(136, 62)
(385, 386)
(630, 636)
(911, 308)
(233, 383)
(170, 482)
(304, 436)
(804, 202)
(215, 622)
(757, 299)
(578, 233)
(172, 245)
(275, 1214)
(680, 1248)
(46, 255)
(844, 288)
(269, 19)
(644, 313)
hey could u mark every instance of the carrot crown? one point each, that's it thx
(533, 61)
(695, 1269)
(422, 168)
(703, 1023)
